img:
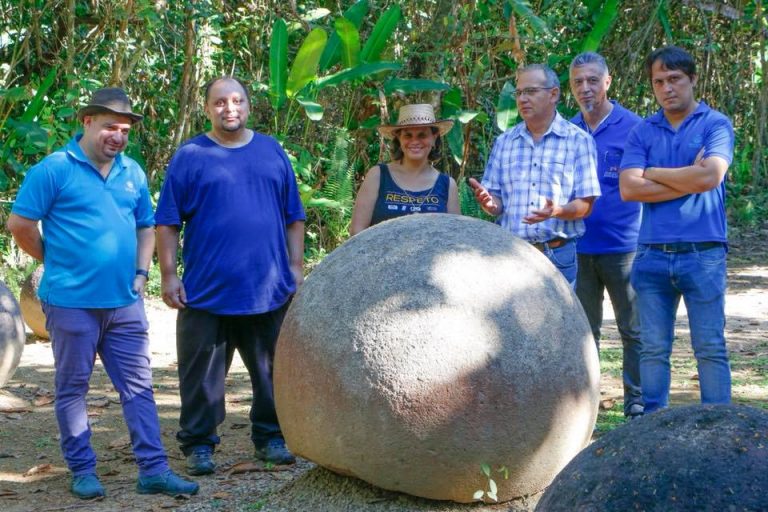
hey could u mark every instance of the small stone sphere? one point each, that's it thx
(691, 458)
(428, 346)
(31, 309)
(12, 336)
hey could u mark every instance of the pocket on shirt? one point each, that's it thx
(555, 180)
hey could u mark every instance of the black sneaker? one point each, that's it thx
(200, 461)
(635, 411)
(275, 452)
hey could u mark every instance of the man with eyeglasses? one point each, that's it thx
(675, 163)
(541, 178)
(607, 249)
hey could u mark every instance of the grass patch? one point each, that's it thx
(610, 419)
(611, 361)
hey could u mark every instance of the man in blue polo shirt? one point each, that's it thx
(606, 250)
(675, 163)
(97, 245)
(234, 192)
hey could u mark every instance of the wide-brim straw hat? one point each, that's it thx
(411, 116)
(112, 100)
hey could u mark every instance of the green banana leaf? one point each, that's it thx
(506, 108)
(605, 19)
(361, 71)
(411, 85)
(313, 110)
(304, 68)
(355, 14)
(350, 42)
(278, 63)
(380, 34)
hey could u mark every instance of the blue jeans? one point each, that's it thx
(119, 336)
(596, 274)
(660, 279)
(564, 258)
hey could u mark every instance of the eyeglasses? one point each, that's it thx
(530, 91)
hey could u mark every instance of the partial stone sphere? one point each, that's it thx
(427, 346)
(12, 336)
(692, 458)
(31, 309)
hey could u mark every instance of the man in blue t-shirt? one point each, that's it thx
(606, 250)
(235, 195)
(97, 245)
(675, 163)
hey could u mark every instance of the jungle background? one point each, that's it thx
(323, 74)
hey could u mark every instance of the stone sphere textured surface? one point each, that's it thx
(12, 336)
(429, 345)
(31, 309)
(692, 458)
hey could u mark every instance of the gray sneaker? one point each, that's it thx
(635, 411)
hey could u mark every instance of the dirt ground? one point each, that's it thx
(33, 475)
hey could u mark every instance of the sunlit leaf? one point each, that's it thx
(467, 115)
(350, 42)
(313, 110)
(485, 469)
(523, 9)
(355, 14)
(304, 67)
(36, 105)
(315, 14)
(492, 486)
(478, 495)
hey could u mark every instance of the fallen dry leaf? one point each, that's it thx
(220, 496)
(4, 493)
(39, 469)
(607, 404)
(43, 400)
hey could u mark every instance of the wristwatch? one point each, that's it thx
(142, 272)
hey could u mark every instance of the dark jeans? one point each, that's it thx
(205, 344)
(600, 272)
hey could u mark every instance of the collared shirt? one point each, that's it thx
(89, 226)
(613, 225)
(561, 166)
(655, 143)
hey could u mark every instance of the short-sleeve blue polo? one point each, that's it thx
(654, 143)
(613, 225)
(89, 226)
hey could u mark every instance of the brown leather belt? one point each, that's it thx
(552, 244)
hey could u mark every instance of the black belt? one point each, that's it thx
(684, 246)
(552, 244)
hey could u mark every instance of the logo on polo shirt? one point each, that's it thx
(129, 186)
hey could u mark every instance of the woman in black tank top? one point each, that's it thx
(408, 184)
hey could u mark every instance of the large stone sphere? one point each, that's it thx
(693, 458)
(427, 346)
(12, 336)
(31, 309)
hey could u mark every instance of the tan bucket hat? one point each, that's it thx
(112, 100)
(421, 114)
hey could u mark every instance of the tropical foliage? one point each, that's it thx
(323, 74)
